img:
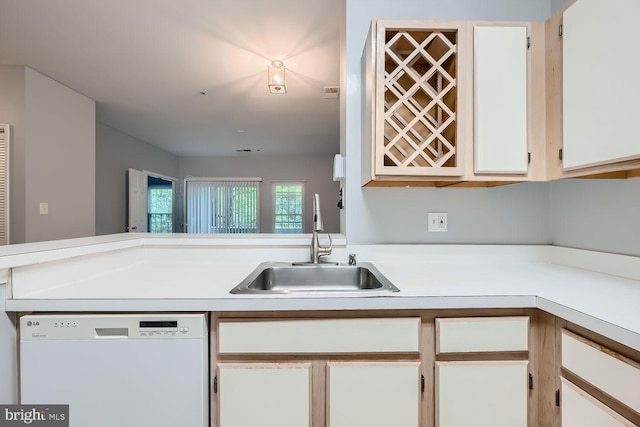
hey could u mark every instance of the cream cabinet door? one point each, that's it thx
(374, 394)
(579, 409)
(264, 394)
(601, 62)
(500, 57)
(481, 394)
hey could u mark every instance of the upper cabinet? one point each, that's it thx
(451, 102)
(487, 103)
(601, 88)
(500, 71)
(592, 90)
(414, 98)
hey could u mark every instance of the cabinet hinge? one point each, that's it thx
(558, 398)
(529, 158)
(560, 154)
(530, 381)
(422, 383)
(560, 29)
(528, 42)
(215, 384)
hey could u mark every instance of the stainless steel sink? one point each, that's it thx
(279, 277)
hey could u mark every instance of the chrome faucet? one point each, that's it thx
(318, 250)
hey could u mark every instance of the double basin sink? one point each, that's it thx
(284, 278)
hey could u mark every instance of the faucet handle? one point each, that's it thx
(352, 259)
(326, 250)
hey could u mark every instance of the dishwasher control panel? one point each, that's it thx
(112, 326)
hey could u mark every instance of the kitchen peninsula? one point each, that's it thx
(536, 294)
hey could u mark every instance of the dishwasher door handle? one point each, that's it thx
(112, 332)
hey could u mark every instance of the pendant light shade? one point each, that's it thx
(277, 82)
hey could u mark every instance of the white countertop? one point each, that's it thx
(182, 274)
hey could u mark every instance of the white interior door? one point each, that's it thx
(137, 201)
(178, 206)
(264, 394)
(374, 394)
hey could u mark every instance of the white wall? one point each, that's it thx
(12, 111)
(116, 152)
(59, 160)
(513, 214)
(317, 173)
(8, 354)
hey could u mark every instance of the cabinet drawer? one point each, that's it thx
(607, 370)
(401, 335)
(482, 334)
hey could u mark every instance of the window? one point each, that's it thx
(159, 215)
(221, 205)
(288, 201)
(5, 137)
(159, 205)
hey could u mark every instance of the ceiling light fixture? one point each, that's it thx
(277, 82)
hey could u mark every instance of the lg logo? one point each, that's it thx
(30, 323)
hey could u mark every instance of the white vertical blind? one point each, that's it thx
(222, 205)
(4, 184)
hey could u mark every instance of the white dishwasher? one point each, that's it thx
(118, 370)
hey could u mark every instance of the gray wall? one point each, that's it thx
(116, 152)
(8, 354)
(512, 214)
(12, 111)
(52, 156)
(317, 173)
(557, 4)
(60, 160)
(601, 215)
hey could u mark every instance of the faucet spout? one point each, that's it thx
(317, 216)
(318, 250)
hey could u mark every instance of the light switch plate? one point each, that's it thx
(44, 208)
(437, 222)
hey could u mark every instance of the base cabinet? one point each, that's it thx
(414, 371)
(265, 394)
(579, 409)
(373, 394)
(481, 394)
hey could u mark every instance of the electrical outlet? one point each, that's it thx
(437, 222)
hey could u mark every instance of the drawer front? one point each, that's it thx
(401, 335)
(482, 334)
(610, 372)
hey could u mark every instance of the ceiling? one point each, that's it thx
(146, 62)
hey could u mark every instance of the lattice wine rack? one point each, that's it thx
(419, 96)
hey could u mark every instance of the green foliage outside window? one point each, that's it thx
(159, 212)
(288, 208)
